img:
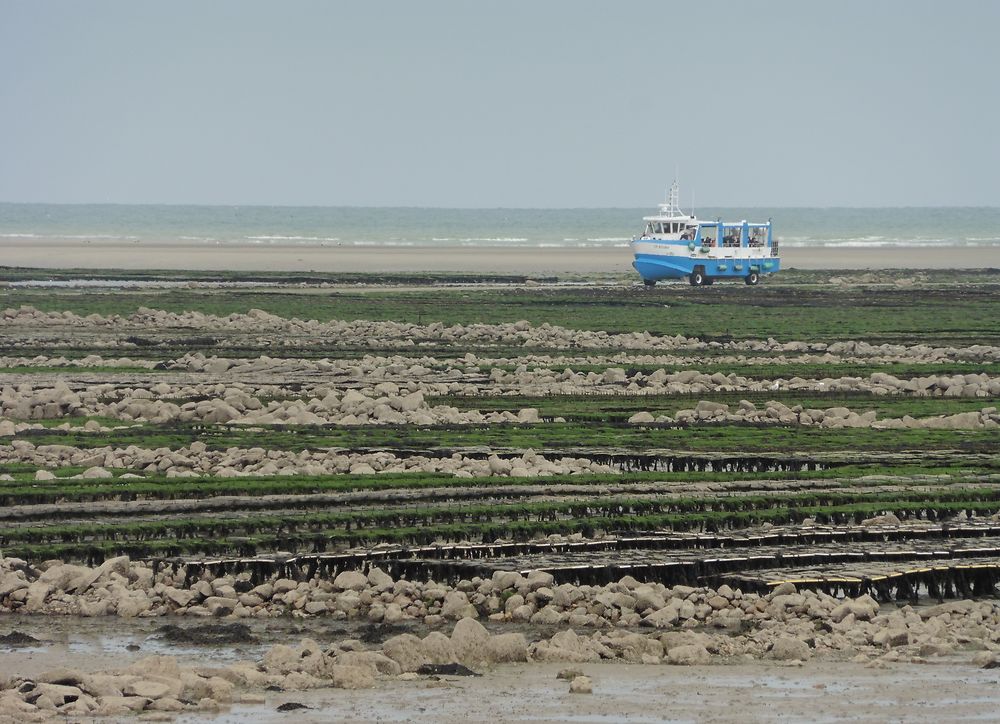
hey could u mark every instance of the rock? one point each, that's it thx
(789, 649)
(377, 662)
(112, 705)
(65, 677)
(351, 677)
(540, 579)
(470, 641)
(647, 599)
(380, 579)
(547, 616)
(218, 606)
(864, 608)
(156, 666)
(119, 565)
(350, 581)
(315, 607)
(281, 659)
(406, 650)
(456, 606)
(59, 694)
(60, 576)
(502, 580)
(437, 648)
(783, 589)
(178, 596)
(37, 593)
(892, 637)
(96, 473)
(640, 418)
(565, 646)
(147, 689)
(507, 648)
(688, 655)
(581, 685)
(664, 618)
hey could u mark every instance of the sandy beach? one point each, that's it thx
(502, 260)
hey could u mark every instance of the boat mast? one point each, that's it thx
(672, 205)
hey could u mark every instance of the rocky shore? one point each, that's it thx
(527, 619)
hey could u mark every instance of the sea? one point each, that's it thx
(434, 227)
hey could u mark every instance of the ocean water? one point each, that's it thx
(356, 226)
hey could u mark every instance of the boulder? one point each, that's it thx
(790, 649)
(351, 677)
(456, 606)
(640, 418)
(281, 659)
(437, 648)
(892, 637)
(663, 618)
(407, 651)
(565, 646)
(375, 661)
(147, 689)
(470, 641)
(380, 579)
(688, 655)
(350, 581)
(507, 648)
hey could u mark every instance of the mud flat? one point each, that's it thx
(734, 692)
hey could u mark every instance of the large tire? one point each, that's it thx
(649, 282)
(697, 278)
(752, 279)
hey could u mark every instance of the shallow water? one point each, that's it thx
(326, 227)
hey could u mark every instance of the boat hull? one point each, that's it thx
(654, 265)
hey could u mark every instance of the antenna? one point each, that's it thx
(692, 201)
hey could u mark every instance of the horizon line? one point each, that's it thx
(476, 208)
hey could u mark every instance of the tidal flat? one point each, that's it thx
(365, 485)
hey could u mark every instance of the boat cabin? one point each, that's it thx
(737, 236)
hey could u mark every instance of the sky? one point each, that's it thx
(554, 104)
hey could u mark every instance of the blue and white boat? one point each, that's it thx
(675, 245)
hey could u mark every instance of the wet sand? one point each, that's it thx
(819, 691)
(940, 690)
(530, 261)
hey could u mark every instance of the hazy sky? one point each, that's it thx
(516, 104)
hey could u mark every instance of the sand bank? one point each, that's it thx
(534, 261)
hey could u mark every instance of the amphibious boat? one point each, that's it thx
(675, 245)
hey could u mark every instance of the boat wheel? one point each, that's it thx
(649, 282)
(752, 278)
(697, 278)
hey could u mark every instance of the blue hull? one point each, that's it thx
(654, 267)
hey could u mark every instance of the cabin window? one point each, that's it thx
(709, 235)
(731, 235)
(757, 236)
